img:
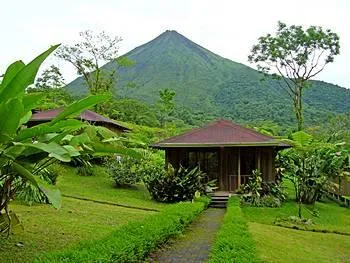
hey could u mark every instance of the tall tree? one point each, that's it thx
(50, 84)
(165, 104)
(88, 55)
(295, 56)
(50, 78)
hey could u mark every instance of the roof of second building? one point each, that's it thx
(86, 115)
(219, 133)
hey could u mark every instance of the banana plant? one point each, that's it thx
(312, 166)
(25, 151)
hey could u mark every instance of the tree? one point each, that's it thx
(165, 104)
(50, 84)
(295, 56)
(89, 55)
(50, 78)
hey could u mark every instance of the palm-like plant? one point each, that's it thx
(310, 166)
(25, 152)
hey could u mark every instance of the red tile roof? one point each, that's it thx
(86, 115)
(219, 133)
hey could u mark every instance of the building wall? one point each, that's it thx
(229, 161)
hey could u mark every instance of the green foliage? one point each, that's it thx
(29, 193)
(234, 243)
(124, 171)
(269, 201)
(88, 55)
(51, 98)
(253, 188)
(165, 105)
(133, 242)
(208, 86)
(258, 193)
(130, 171)
(274, 189)
(312, 165)
(50, 78)
(25, 152)
(297, 55)
(173, 186)
(337, 129)
(134, 111)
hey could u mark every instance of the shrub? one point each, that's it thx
(270, 201)
(134, 241)
(258, 193)
(233, 242)
(128, 170)
(172, 186)
(83, 165)
(124, 171)
(253, 189)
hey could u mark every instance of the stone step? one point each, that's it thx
(219, 201)
(218, 205)
(219, 198)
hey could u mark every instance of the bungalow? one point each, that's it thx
(87, 115)
(225, 151)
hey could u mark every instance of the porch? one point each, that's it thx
(229, 166)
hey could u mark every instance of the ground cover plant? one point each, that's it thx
(233, 242)
(133, 242)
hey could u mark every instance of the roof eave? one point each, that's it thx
(208, 145)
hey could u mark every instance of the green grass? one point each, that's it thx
(134, 241)
(101, 187)
(233, 242)
(331, 216)
(46, 229)
(277, 244)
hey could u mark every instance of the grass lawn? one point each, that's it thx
(331, 215)
(278, 244)
(101, 187)
(47, 229)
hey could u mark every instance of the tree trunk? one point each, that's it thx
(298, 106)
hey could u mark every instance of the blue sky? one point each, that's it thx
(228, 28)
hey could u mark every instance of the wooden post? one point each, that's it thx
(166, 159)
(239, 168)
(259, 159)
(221, 168)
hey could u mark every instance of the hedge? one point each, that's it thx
(134, 241)
(233, 242)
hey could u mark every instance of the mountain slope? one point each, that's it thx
(206, 82)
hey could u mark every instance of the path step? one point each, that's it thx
(219, 200)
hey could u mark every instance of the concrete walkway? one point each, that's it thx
(194, 245)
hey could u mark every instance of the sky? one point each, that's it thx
(227, 28)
